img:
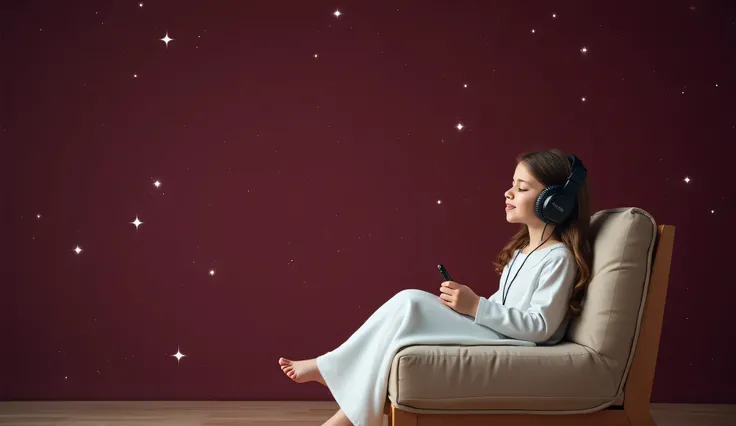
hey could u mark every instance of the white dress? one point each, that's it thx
(356, 372)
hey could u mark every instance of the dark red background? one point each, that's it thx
(317, 187)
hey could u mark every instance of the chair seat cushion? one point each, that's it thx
(563, 377)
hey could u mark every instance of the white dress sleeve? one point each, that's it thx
(547, 310)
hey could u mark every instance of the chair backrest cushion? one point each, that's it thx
(623, 242)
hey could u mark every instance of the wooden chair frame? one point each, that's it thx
(638, 387)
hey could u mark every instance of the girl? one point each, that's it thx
(548, 188)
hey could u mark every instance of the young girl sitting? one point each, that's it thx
(550, 267)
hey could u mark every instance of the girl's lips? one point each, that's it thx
(508, 207)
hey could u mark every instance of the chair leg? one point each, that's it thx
(641, 419)
(402, 418)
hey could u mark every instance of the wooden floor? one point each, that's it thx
(286, 413)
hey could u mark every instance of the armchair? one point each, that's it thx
(600, 374)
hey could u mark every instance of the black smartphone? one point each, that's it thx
(445, 275)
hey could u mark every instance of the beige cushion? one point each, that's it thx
(623, 249)
(584, 372)
(560, 377)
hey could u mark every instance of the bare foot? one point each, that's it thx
(301, 371)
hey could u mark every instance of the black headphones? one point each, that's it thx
(554, 204)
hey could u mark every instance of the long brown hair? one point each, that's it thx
(552, 168)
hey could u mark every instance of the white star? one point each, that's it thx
(136, 222)
(178, 355)
(157, 184)
(584, 50)
(337, 13)
(78, 250)
(166, 39)
(687, 180)
(212, 272)
(459, 126)
(583, 99)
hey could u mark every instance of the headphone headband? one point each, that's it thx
(576, 178)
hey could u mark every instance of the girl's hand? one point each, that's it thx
(459, 297)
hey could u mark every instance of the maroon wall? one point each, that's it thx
(317, 187)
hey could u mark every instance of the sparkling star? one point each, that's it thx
(78, 250)
(157, 184)
(459, 126)
(337, 13)
(212, 272)
(584, 50)
(178, 355)
(166, 39)
(687, 180)
(136, 222)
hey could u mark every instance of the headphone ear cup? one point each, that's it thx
(546, 193)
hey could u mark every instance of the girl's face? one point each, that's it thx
(522, 195)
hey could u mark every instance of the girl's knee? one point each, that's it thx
(412, 294)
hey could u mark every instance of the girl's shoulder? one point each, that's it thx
(560, 251)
